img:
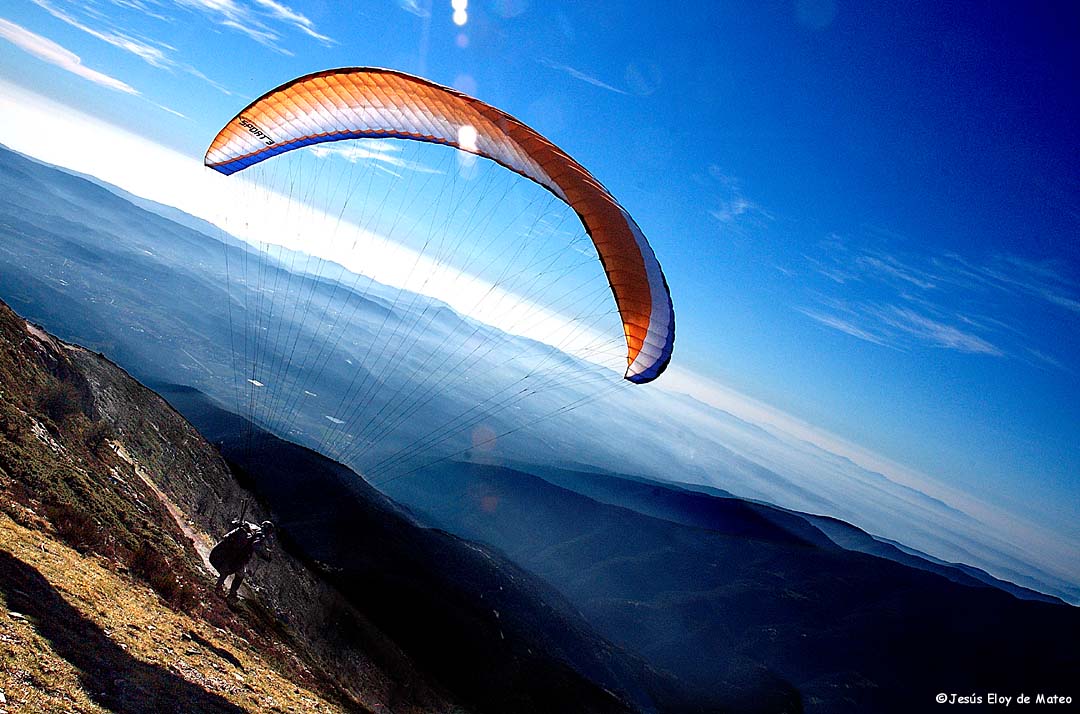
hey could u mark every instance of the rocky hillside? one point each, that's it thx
(108, 503)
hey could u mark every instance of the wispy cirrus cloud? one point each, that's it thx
(1041, 357)
(1044, 280)
(730, 207)
(902, 327)
(878, 293)
(582, 76)
(260, 33)
(899, 325)
(888, 265)
(156, 54)
(49, 51)
(842, 324)
(414, 7)
(150, 9)
(935, 333)
(261, 20)
(290, 17)
(148, 52)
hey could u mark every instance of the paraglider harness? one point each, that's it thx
(242, 541)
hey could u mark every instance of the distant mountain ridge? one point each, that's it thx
(701, 585)
(686, 505)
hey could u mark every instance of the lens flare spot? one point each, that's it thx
(483, 438)
(465, 83)
(466, 137)
(510, 8)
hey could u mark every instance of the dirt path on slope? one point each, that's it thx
(203, 543)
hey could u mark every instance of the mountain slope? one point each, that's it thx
(89, 545)
(423, 613)
(464, 611)
(851, 538)
(80, 636)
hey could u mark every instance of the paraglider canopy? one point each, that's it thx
(363, 102)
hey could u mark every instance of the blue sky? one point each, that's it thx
(868, 214)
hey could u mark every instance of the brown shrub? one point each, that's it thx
(96, 436)
(149, 565)
(59, 400)
(77, 528)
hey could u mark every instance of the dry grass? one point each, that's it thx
(107, 570)
(87, 639)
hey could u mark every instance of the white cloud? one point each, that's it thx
(582, 76)
(1041, 280)
(48, 51)
(843, 325)
(382, 152)
(889, 266)
(256, 20)
(291, 17)
(731, 208)
(143, 8)
(156, 54)
(258, 32)
(899, 326)
(902, 300)
(934, 333)
(413, 7)
(1044, 359)
(171, 111)
(145, 51)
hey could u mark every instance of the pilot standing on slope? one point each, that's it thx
(233, 553)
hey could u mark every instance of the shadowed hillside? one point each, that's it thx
(109, 501)
(464, 611)
(698, 584)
